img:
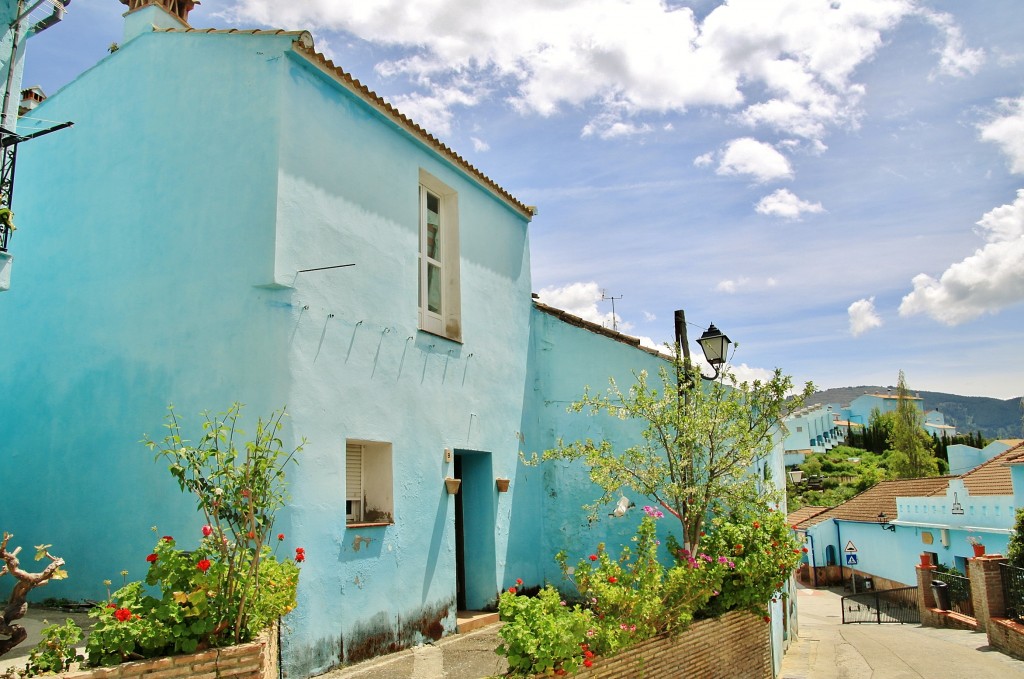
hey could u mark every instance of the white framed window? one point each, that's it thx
(439, 297)
(369, 494)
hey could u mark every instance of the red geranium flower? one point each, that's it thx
(519, 581)
(168, 538)
(122, 614)
(511, 590)
(252, 535)
(588, 663)
(207, 531)
(612, 579)
(280, 536)
(300, 554)
(203, 565)
(593, 557)
(151, 558)
(757, 524)
(803, 549)
(111, 605)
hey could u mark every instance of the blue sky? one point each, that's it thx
(837, 184)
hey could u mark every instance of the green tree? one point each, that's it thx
(700, 442)
(911, 456)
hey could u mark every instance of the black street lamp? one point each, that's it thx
(713, 343)
(883, 521)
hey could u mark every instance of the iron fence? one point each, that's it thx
(959, 588)
(1013, 591)
(883, 606)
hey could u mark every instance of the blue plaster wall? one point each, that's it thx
(145, 228)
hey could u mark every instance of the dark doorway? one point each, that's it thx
(460, 543)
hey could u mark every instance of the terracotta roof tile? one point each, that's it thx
(303, 45)
(879, 498)
(993, 477)
(804, 513)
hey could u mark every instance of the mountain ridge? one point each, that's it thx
(994, 418)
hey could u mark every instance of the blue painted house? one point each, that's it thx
(933, 515)
(251, 223)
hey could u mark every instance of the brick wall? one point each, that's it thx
(734, 646)
(255, 660)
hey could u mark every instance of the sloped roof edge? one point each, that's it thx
(596, 328)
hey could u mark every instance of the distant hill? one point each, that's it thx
(993, 417)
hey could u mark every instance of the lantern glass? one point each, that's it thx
(715, 345)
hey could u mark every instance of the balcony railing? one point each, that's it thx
(959, 592)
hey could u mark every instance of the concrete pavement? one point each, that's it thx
(460, 656)
(827, 649)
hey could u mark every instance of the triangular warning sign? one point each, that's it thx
(850, 547)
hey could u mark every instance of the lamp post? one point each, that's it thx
(713, 343)
(883, 521)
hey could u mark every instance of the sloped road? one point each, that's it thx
(827, 649)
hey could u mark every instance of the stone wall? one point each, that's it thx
(254, 660)
(734, 645)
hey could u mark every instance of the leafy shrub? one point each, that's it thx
(765, 553)
(55, 652)
(541, 634)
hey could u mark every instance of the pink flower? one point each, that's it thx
(203, 565)
(207, 531)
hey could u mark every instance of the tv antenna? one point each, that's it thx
(606, 298)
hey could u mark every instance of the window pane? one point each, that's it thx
(434, 288)
(433, 226)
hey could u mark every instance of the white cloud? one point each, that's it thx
(783, 203)
(1007, 131)
(608, 126)
(746, 373)
(732, 286)
(985, 282)
(747, 156)
(580, 299)
(479, 145)
(785, 64)
(955, 58)
(705, 159)
(863, 316)
(649, 317)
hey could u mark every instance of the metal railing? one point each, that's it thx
(4, 233)
(883, 606)
(959, 589)
(1013, 591)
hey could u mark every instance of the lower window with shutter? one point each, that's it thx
(369, 495)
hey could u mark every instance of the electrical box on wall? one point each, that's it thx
(944, 537)
(447, 454)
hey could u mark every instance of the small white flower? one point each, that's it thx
(218, 491)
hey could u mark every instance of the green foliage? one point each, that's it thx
(764, 551)
(622, 601)
(541, 634)
(911, 456)
(700, 441)
(1015, 551)
(55, 652)
(232, 585)
(239, 492)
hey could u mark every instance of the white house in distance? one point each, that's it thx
(813, 429)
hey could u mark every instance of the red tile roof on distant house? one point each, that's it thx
(303, 46)
(993, 477)
(879, 498)
(800, 515)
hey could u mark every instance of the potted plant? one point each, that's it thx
(977, 545)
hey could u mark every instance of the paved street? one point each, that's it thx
(827, 649)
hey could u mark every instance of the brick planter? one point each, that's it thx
(734, 645)
(255, 660)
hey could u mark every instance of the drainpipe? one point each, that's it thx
(839, 551)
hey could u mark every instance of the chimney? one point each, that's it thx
(177, 8)
(30, 98)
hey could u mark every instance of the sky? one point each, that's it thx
(838, 185)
